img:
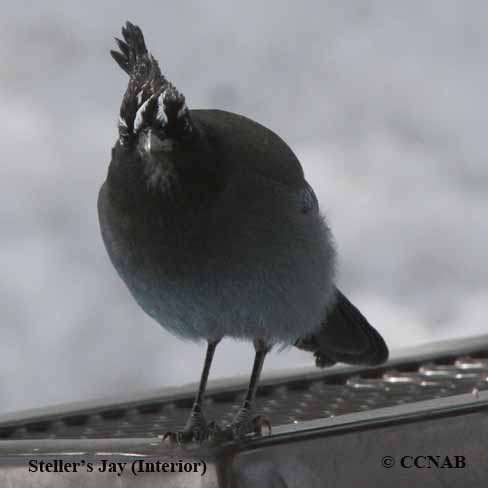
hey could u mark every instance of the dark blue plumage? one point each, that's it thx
(208, 219)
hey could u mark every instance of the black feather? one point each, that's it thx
(135, 39)
(146, 82)
(121, 61)
(122, 46)
(134, 57)
(347, 337)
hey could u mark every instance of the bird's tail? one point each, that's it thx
(346, 337)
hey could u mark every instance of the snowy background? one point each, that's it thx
(384, 102)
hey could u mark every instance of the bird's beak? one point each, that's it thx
(150, 143)
(146, 141)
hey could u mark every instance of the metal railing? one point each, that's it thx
(331, 427)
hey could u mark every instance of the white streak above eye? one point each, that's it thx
(161, 115)
(140, 115)
(139, 98)
(122, 122)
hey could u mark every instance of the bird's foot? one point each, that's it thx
(245, 423)
(196, 430)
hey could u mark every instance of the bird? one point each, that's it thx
(207, 217)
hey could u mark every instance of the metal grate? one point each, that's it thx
(330, 428)
(289, 400)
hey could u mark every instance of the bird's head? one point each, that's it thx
(154, 118)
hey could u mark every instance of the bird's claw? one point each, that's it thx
(196, 431)
(259, 422)
(244, 424)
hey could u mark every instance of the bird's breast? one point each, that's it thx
(242, 270)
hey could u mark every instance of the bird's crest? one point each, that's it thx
(150, 99)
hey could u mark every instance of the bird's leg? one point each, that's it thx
(197, 429)
(244, 423)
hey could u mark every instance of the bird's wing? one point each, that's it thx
(248, 146)
(310, 204)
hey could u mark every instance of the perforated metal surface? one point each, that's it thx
(287, 401)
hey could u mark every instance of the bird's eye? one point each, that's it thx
(124, 133)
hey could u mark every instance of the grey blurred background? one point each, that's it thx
(384, 102)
